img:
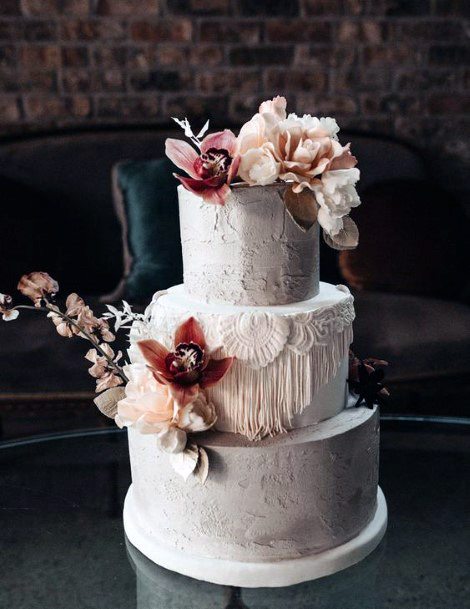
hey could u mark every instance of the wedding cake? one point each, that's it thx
(253, 461)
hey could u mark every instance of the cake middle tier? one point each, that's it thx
(291, 360)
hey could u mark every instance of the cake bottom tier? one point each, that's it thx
(272, 513)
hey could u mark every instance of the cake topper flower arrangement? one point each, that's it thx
(163, 395)
(273, 146)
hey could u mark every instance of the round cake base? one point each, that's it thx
(259, 574)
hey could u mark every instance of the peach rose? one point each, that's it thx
(148, 405)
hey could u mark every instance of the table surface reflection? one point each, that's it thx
(62, 543)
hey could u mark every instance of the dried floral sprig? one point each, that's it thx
(38, 287)
(164, 396)
(125, 318)
(366, 380)
(8, 314)
(188, 132)
(77, 320)
(102, 369)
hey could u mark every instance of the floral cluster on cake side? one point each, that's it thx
(163, 395)
(273, 146)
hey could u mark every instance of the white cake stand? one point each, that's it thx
(259, 574)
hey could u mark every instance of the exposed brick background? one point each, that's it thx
(398, 67)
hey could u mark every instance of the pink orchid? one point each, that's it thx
(212, 170)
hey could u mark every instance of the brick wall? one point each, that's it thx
(392, 66)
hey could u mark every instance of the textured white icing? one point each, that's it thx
(291, 365)
(156, 587)
(250, 251)
(298, 494)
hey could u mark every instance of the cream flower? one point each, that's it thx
(197, 416)
(336, 195)
(150, 407)
(276, 106)
(258, 166)
(298, 149)
(252, 135)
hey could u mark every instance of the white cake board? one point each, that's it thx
(259, 574)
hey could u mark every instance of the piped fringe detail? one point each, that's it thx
(281, 360)
(261, 402)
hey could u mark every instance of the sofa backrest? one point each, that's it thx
(57, 211)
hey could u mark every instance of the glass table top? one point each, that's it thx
(62, 543)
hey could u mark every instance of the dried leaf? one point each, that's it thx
(108, 400)
(202, 470)
(346, 239)
(302, 207)
(185, 462)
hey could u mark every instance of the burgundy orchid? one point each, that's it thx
(212, 170)
(365, 380)
(188, 367)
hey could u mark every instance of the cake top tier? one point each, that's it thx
(248, 252)
(296, 177)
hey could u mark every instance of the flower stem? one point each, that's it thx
(89, 336)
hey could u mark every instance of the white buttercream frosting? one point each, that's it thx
(298, 494)
(249, 251)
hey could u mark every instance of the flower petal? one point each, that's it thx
(222, 140)
(215, 370)
(233, 170)
(185, 462)
(190, 332)
(182, 155)
(154, 353)
(163, 379)
(347, 238)
(37, 285)
(209, 190)
(184, 394)
(345, 160)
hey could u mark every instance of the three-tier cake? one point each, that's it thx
(292, 491)
(284, 486)
(253, 429)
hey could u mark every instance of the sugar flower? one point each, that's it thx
(211, 169)
(366, 380)
(188, 367)
(304, 151)
(102, 369)
(150, 407)
(7, 313)
(37, 286)
(84, 318)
